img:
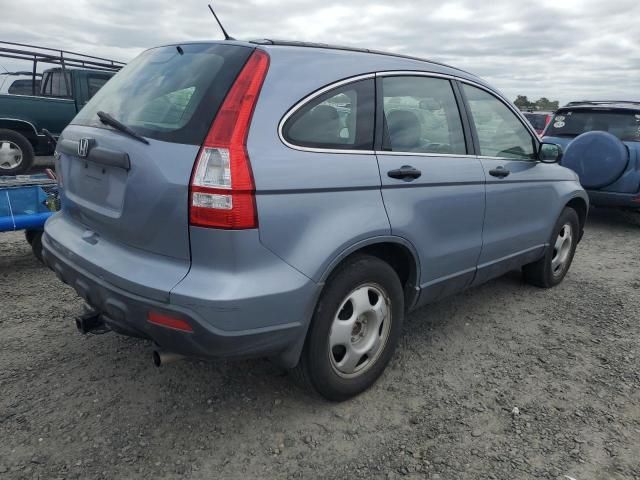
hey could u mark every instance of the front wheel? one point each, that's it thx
(355, 329)
(551, 269)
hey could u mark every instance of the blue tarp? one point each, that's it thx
(22, 206)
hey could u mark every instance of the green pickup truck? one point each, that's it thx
(22, 117)
(26, 120)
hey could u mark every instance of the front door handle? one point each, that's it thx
(406, 173)
(499, 172)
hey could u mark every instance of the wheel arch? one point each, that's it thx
(581, 207)
(24, 127)
(398, 252)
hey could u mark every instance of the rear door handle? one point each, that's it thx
(406, 173)
(499, 172)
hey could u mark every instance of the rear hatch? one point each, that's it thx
(134, 192)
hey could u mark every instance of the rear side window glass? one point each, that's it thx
(169, 93)
(500, 131)
(341, 119)
(421, 115)
(95, 83)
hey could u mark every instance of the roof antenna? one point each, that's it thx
(226, 35)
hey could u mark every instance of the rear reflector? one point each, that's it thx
(167, 321)
(222, 191)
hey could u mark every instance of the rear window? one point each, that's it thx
(570, 123)
(95, 83)
(537, 120)
(23, 87)
(169, 93)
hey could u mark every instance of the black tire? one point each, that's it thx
(29, 234)
(316, 369)
(19, 141)
(542, 273)
(36, 246)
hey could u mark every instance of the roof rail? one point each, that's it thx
(602, 102)
(294, 43)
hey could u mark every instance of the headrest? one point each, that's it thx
(405, 131)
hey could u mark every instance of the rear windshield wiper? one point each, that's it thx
(109, 120)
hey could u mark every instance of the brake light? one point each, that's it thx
(222, 191)
(168, 321)
(547, 121)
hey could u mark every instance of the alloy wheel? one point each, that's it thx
(10, 155)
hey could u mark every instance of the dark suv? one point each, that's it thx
(601, 140)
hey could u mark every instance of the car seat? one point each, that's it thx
(405, 132)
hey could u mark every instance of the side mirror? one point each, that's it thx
(550, 153)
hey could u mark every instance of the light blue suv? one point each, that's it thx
(294, 201)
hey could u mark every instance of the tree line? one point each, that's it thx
(523, 103)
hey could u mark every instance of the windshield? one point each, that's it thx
(623, 124)
(169, 93)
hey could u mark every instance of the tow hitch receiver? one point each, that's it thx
(91, 322)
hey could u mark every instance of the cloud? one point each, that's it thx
(569, 49)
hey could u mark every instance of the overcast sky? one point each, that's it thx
(561, 49)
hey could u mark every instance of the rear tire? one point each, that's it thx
(354, 331)
(36, 246)
(16, 153)
(29, 234)
(551, 269)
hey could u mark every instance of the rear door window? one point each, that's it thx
(341, 119)
(421, 115)
(169, 93)
(501, 133)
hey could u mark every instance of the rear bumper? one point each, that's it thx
(600, 198)
(276, 333)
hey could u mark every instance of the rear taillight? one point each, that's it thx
(222, 192)
(547, 121)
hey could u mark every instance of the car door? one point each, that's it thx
(521, 194)
(432, 187)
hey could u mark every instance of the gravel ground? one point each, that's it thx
(504, 381)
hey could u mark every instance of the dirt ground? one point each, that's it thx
(505, 381)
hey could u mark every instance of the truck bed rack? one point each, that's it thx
(64, 58)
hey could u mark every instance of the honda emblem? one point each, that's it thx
(83, 147)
